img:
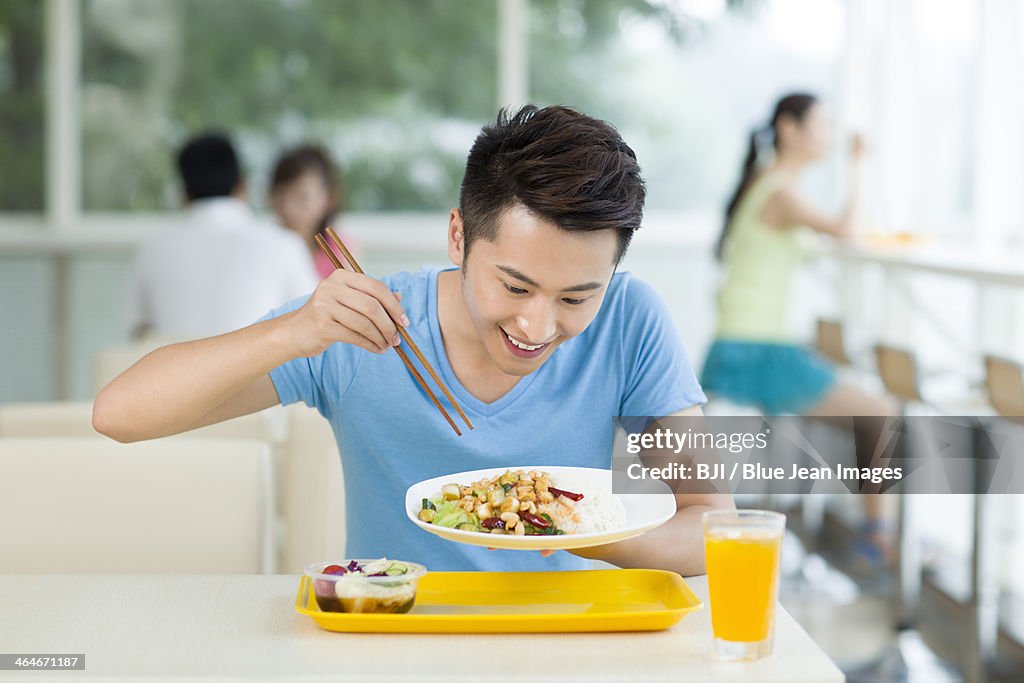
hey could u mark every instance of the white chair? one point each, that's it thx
(313, 505)
(65, 418)
(111, 361)
(171, 506)
(74, 418)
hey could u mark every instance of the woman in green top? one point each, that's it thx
(755, 359)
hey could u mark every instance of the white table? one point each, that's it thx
(174, 628)
(963, 260)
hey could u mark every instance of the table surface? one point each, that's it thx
(964, 260)
(173, 628)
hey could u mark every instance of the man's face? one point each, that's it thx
(535, 287)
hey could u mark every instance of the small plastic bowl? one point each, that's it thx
(358, 593)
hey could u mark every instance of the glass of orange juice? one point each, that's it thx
(741, 551)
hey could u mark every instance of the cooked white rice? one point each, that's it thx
(599, 511)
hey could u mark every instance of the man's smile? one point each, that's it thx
(521, 349)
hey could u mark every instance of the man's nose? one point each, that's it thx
(538, 323)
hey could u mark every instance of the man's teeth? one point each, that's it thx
(524, 347)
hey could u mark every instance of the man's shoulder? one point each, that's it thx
(415, 287)
(406, 280)
(629, 295)
(632, 308)
(158, 239)
(273, 233)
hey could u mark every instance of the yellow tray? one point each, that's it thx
(525, 602)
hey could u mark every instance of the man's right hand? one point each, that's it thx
(193, 384)
(351, 308)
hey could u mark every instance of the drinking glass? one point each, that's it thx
(741, 550)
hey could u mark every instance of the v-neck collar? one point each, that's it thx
(465, 398)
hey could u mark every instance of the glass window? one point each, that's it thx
(21, 105)
(944, 74)
(684, 82)
(396, 89)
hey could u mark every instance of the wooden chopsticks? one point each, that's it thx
(325, 247)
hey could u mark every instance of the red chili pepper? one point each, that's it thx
(535, 520)
(568, 494)
(493, 523)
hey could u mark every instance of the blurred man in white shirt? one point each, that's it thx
(223, 268)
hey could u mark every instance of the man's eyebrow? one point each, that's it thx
(508, 270)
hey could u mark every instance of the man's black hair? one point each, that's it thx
(209, 167)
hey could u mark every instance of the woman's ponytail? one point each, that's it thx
(762, 142)
(749, 167)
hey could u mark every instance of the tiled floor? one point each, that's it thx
(853, 623)
(851, 619)
(853, 635)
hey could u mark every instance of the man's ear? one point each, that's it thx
(241, 189)
(456, 238)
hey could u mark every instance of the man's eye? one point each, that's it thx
(515, 290)
(573, 302)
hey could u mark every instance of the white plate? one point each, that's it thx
(644, 511)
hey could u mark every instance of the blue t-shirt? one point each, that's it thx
(629, 361)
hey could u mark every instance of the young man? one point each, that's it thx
(538, 338)
(189, 278)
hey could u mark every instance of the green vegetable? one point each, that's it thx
(396, 569)
(450, 515)
(469, 526)
(427, 505)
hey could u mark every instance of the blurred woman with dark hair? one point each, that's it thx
(755, 358)
(306, 195)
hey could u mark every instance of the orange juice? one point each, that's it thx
(743, 579)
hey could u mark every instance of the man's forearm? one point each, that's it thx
(171, 389)
(677, 545)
